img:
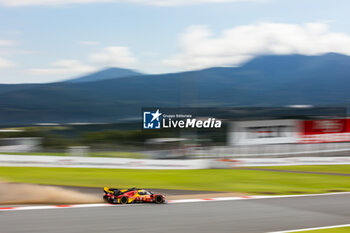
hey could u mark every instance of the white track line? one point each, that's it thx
(170, 202)
(53, 207)
(252, 197)
(312, 228)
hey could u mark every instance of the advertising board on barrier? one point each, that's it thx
(288, 131)
(262, 132)
(322, 131)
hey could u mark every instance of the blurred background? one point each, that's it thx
(245, 132)
(75, 76)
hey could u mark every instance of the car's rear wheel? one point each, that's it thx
(159, 199)
(108, 199)
(124, 200)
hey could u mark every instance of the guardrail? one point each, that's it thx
(279, 150)
(168, 164)
(97, 162)
(258, 162)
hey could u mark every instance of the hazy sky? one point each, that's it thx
(52, 40)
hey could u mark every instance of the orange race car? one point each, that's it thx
(133, 195)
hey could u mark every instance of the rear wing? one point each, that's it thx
(108, 190)
(114, 191)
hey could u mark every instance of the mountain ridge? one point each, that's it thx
(265, 81)
(105, 74)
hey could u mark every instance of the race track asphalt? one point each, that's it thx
(242, 216)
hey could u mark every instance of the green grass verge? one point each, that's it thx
(315, 168)
(115, 154)
(253, 182)
(331, 230)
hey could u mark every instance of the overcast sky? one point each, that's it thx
(52, 40)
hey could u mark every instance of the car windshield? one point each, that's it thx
(143, 192)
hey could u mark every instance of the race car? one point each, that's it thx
(133, 195)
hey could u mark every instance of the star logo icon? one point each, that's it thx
(156, 115)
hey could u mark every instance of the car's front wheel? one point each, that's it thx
(159, 199)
